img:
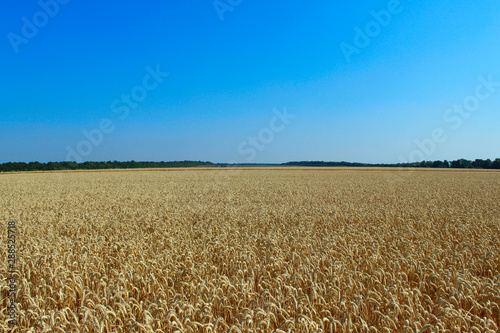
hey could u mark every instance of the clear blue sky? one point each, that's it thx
(228, 77)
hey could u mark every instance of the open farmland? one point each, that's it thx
(254, 250)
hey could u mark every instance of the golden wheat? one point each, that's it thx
(254, 250)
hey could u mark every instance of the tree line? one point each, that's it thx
(52, 166)
(458, 164)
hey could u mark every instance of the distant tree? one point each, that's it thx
(462, 163)
(466, 163)
(487, 164)
(478, 163)
(496, 164)
(437, 164)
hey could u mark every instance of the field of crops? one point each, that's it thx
(254, 250)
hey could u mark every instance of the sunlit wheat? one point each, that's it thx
(255, 250)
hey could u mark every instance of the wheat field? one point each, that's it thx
(254, 250)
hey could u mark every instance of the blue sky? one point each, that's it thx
(249, 81)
